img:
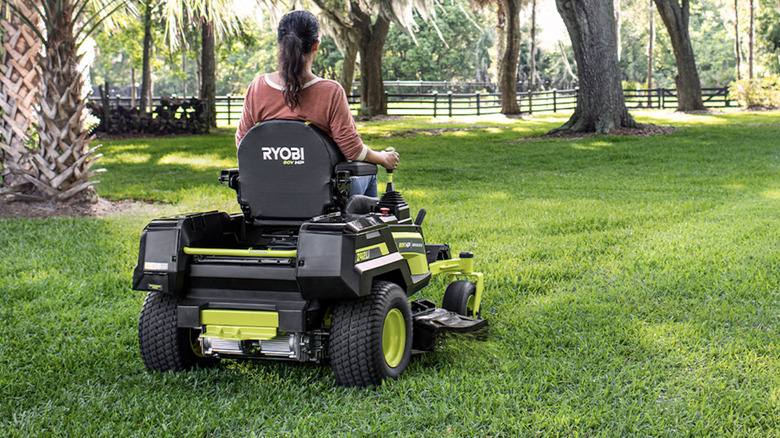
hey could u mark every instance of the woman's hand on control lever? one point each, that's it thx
(391, 160)
(386, 159)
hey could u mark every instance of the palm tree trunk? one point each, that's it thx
(63, 157)
(19, 82)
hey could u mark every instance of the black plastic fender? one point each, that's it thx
(162, 263)
(339, 261)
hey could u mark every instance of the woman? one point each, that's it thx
(295, 93)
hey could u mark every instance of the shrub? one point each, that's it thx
(757, 92)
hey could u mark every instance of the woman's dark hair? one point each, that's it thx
(298, 31)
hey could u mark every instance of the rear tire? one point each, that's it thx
(164, 346)
(459, 298)
(371, 337)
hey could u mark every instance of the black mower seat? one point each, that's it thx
(287, 172)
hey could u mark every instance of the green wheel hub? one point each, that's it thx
(470, 306)
(394, 337)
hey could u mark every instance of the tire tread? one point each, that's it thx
(355, 346)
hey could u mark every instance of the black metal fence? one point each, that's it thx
(452, 104)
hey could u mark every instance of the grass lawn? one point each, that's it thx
(632, 289)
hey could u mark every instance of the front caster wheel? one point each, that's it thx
(371, 337)
(459, 297)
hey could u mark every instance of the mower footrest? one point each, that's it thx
(430, 322)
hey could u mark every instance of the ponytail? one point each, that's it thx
(298, 31)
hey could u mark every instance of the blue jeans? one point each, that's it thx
(364, 185)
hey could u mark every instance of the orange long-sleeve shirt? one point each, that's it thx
(322, 102)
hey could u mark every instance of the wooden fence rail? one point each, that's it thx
(451, 104)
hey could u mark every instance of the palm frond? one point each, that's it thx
(221, 13)
(104, 13)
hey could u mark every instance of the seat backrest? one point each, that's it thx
(286, 171)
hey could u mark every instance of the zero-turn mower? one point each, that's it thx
(304, 273)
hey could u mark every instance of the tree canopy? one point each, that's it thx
(469, 41)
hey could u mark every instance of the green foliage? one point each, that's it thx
(713, 41)
(454, 56)
(758, 92)
(711, 30)
(466, 56)
(329, 60)
(631, 291)
(240, 59)
(768, 34)
(119, 50)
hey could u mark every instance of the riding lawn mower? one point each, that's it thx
(304, 273)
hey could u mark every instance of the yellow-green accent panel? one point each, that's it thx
(239, 325)
(407, 235)
(418, 263)
(284, 254)
(250, 318)
(451, 266)
(412, 246)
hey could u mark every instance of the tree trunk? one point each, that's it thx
(601, 105)
(347, 77)
(133, 96)
(500, 39)
(208, 91)
(618, 23)
(532, 58)
(508, 79)
(146, 68)
(105, 100)
(675, 17)
(650, 44)
(184, 74)
(736, 37)
(19, 83)
(371, 46)
(750, 40)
